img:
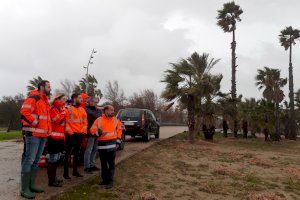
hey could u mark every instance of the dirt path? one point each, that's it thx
(10, 156)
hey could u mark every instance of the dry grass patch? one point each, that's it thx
(226, 169)
(265, 196)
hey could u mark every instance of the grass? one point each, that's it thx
(292, 184)
(10, 135)
(223, 169)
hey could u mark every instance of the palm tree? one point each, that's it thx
(203, 65)
(34, 83)
(92, 90)
(248, 114)
(269, 79)
(211, 85)
(228, 110)
(287, 38)
(227, 19)
(183, 83)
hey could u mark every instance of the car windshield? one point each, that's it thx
(130, 113)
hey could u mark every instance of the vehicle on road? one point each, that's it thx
(139, 122)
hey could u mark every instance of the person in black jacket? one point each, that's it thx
(92, 143)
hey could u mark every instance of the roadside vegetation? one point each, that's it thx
(10, 135)
(223, 169)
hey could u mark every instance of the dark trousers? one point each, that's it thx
(107, 159)
(73, 143)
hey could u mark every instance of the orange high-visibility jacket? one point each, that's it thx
(35, 114)
(111, 131)
(76, 120)
(58, 119)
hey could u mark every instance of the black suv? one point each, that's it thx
(139, 122)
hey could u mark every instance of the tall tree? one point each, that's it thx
(10, 112)
(269, 79)
(114, 94)
(33, 83)
(145, 99)
(67, 87)
(227, 19)
(287, 38)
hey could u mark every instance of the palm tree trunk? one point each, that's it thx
(292, 131)
(191, 117)
(277, 131)
(233, 78)
(233, 66)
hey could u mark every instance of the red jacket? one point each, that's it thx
(35, 114)
(58, 119)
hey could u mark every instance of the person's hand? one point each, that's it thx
(119, 141)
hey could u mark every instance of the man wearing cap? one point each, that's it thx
(92, 143)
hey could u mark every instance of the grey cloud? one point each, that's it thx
(54, 38)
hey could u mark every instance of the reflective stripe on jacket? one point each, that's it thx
(111, 130)
(58, 119)
(76, 120)
(35, 114)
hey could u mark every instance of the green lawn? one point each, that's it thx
(10, 135)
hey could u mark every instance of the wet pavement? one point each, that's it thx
(10, 159)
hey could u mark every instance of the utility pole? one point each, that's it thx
(87, 70)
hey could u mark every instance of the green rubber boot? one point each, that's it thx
(25, 182)
(33, 187)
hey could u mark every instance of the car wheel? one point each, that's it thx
(146, 136)
(157, 134)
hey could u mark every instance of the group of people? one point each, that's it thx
(64, 127)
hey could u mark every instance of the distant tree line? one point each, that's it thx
(10, 105)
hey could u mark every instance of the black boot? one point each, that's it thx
(76, 174)
(53, 182)
(75, 168)
(66, 172)
(109, 185)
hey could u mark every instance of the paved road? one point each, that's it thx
(10, 155)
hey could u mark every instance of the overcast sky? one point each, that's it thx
(136, 39)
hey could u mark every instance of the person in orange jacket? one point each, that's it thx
(56, 139)
(76, 128)
(36, 127)
(109, 131)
